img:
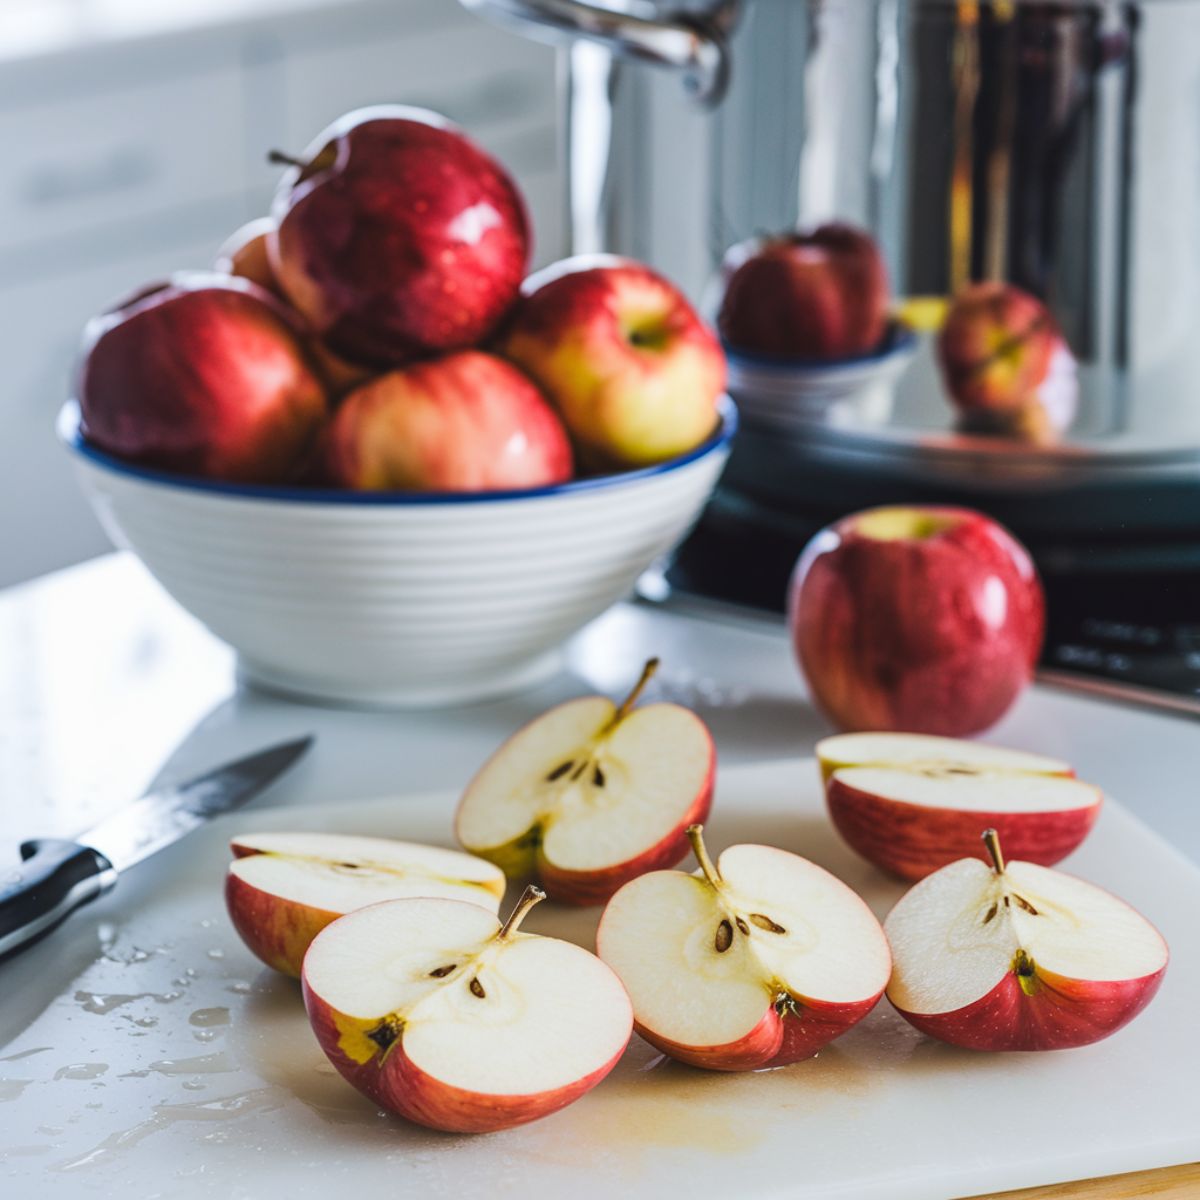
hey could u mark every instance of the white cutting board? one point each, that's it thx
(173, 1065)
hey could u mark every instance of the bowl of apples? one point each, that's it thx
(370, 454)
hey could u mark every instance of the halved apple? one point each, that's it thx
(282, 889)
(916, 751)
(438, 1012)
(591, 794)
(757, 960)
(1018, 957)
(914, 804)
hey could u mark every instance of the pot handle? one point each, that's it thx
(691, 43)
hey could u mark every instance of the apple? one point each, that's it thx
(244, 253)
(924, 620)
(1019, 957)
(622, 355)
(204, 374)
(438, 1012)
(466, 422)
(819, 295)
(591, 794)
(1006, 365)
(755, 961)
(914, 751)
(282, 889)
(397, 237)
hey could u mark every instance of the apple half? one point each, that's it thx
(438, 1012)
(591, 794)
(912, 804)
(1018, 957)
(757, 960)
(282, 889)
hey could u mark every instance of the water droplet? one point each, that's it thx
(216, 953)
(193, 1085)
(81, 1071)
(239, 987)
(210, 1016)
(10, 1089)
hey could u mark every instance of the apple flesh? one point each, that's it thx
(438, 1012)
(591, 794)
(282, 889)
(820, 295)
(465, 422)
(205, 375)
(1006, 365)
(923, 620)
(622, 355)
(397, 237)
(915, 752)
(755, 961)
(1019, 957)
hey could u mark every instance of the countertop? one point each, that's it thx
(108, 686)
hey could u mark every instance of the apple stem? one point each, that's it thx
(280, 159)
(695, 835)
(991, 839)
(529, 897)
(630, 700)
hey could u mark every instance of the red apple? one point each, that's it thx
(591, 794)
(1019, 957)
(204, 374)
(1006, 365)
(820, 295)
(622, 355)
(927, 620)
(438, 1012)
(755, 961)
(466, 422)
(397, 237)
(282, 889)
(244, 253)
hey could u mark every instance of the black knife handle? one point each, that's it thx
(54, 878)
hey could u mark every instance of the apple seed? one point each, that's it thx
(598, 776)
(743, 928)
(766, 923)
(477, 989)
(560, 771)
(1023, 903)
(442, 972)
(724, 938)
(991, 912)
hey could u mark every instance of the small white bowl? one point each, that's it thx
(788, 396)
(397, 599)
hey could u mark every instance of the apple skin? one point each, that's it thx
(1061, 1014)
(400, 1086)
(399, 238)
(913, 841)
(245, 254)
(995, 346)
(619, 351)
(775, 1041)
(937, 633)
(465, 422)
(277, 931)
(205, 375)
(821, 295)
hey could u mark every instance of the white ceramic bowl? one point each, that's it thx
(788, 396)
(397, 598)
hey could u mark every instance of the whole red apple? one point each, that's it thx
(1005, 363)
(622, 355)
(924, 620)
(205, 375)
(244, 253)
(397, 237)
(466, 422)
(819, 295)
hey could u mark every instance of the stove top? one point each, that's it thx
(1122, 625)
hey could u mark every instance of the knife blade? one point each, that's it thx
(56, 876)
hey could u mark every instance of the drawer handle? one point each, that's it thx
(58, 183)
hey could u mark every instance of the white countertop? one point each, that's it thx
(106, 682)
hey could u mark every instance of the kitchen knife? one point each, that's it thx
(57, 876)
